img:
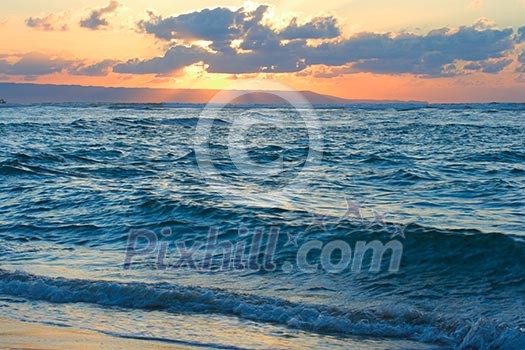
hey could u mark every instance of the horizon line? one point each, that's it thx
(350, 100)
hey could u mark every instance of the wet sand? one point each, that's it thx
(15, 335)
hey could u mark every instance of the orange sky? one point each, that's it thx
(49, 36)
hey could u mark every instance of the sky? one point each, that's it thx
(437, 51)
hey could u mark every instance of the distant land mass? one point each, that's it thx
(40, 93)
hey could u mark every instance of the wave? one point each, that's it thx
(135, 106)
(462, 263)
(403, 176)
(62, 157)
(389, 323)
(16, 168)
(479, 106)
(427, 245)
(505, 156)
(193, 121)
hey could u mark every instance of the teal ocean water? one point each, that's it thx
(443, 184)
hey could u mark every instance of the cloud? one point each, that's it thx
(317, 28)
(223, 25)
(495, 66)
(520, 35)
(96, 20)
(48, 23)
(174, 59)
(483, 23)
(219, 25)
(473, 66)
(242, 42)
(521, 59)
(98, 69)
(34, 64)
(489, 66)
(322, 71)
(418, 54)
(227, 61)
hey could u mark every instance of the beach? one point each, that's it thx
(16, 335)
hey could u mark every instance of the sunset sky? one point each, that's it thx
(439, 51)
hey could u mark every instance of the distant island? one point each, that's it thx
(35, 93)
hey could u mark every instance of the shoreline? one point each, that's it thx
(18, 335)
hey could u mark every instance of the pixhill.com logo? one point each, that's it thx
(259, 249)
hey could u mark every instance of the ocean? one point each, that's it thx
(398, 226)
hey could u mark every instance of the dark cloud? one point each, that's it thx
(96, 20)
(521, 59)
(177, 57)
(473, 66)
(262, 48)
(494, 67)
(217, 25)
(34, 64)
(48, 23)
(426, 55)
(222, 26)
(99, 69)
(489, 66)
(520, 35)
(317, 28)
(242, 42)
(174, 59)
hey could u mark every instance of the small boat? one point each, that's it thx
(2, 101)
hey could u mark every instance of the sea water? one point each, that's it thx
(83, 186)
